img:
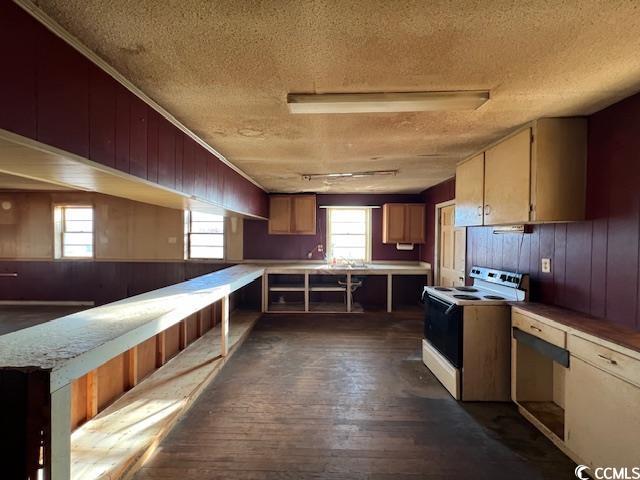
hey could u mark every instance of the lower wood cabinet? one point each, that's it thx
(602, 417)
(403, 223)
(292, 215)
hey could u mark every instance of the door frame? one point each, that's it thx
(436, 243)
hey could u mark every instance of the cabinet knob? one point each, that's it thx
(479, 210)
(487, 209)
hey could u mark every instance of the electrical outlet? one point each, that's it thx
(546, 265)
(320, 248)
(172, 240)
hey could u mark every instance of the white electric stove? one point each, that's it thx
(467, 332)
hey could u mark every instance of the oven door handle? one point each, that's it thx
(450, 306)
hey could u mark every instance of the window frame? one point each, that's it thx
(367, 231)
(60, 230)
(188, 244)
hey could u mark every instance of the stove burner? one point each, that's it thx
(493, 297)
(467, 297)
(466, 289)
(442, 289)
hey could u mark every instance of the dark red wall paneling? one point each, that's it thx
(101, 282)
(179, 156)
(102, 117)
(18, 77)
(166, 154)
(139, 137)
(62, 95)
(442, 192)
(258, 244)
(123, 129)
(595, 264)
(189, 166)
(52, 93)
(153, 126)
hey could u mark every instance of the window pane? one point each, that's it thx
(206, 217)
(77, 250)
(349, 227)
(78, 226)
(349, 241)
(77, 238)
(207, 252)
(207, 227)
(349, 253)
(210, 240)
(346, 215)
(78, 213)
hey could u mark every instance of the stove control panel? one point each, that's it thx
(500, 277)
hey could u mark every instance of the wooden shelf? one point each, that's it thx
(286, 288)
(327, 288)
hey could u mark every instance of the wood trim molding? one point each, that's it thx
(57, 29)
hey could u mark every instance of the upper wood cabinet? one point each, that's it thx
(292, 215)
(403, 223)
(536, 175)
(470, 192)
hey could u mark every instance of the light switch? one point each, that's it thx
(546, 265)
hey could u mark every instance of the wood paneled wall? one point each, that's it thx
(595, 264)
(124, 229)
(431, 197)
(101, 282)
(258, 244)
(51, 93)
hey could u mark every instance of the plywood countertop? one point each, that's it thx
(581, 324)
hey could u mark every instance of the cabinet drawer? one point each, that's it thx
(623, 366)
(538, 329)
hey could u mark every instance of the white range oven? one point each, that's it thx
(467, 333)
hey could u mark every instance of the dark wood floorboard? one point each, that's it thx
(345, 397)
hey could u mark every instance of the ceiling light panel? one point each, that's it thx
(386, 102)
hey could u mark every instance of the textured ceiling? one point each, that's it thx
(224, 69)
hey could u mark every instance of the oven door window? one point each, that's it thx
(443, 329)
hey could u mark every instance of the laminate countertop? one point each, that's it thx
(374, 268)
(583, 323)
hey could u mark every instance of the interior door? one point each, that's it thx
(452, 251)
(507, 181)
(470, 192)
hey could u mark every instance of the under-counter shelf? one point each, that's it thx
(327, 288)
(286, 288)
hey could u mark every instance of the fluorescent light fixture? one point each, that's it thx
(386, 102)
(374, 173)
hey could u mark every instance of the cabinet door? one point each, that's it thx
(507, 181)
(304, 215)
(393, 221)
(602, 416)
(470, 192)
(414, 224)
(279, 214)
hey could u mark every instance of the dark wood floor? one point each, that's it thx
(345, 397)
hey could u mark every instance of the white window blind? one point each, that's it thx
(206, 235)
(349, 233)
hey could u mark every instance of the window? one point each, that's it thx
(206, 235)
(74, 231)
(349, 233)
